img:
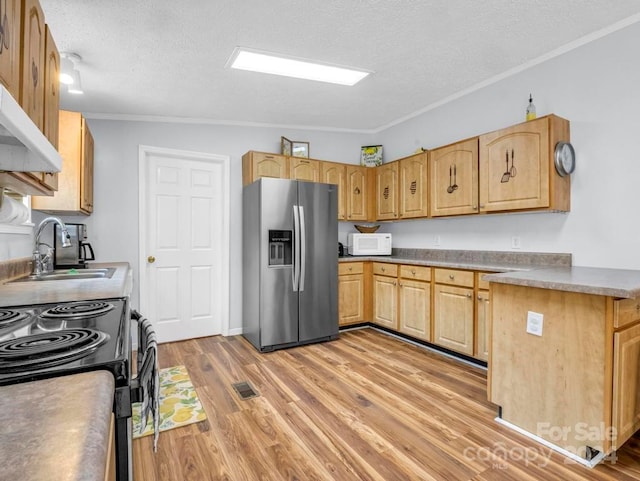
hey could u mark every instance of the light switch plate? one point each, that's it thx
(534, 323)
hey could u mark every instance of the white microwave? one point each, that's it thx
(369, 244)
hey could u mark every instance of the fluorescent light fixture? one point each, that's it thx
(76, 86)
(276, 64)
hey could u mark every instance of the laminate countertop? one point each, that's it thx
(44, 292)
(56, 429)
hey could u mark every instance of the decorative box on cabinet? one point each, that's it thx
(517, 167)
(453, 310)
(334, 173)
(261, 164)
(413, 192)
(75, 187)
(454, 179)
(11, 48)
(385, 295)
(32, 63)
(351, 291)
(414, 301)
(387, 191)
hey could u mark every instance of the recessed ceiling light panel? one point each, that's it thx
(276, 64)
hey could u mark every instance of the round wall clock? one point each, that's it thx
(564, 158)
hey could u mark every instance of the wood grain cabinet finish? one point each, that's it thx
(385, 295)
(414, 308)
(51, 102)
(260, 164)
(453, 313)
(482, 326)
(11, 47)
(454, 179)
(351, 291)
(32, 63)
(75, 181)
(387, 191)
(357, 192)
(334, 173)
(413, 185)
(516, 167)
(304, 169)
(626, 384)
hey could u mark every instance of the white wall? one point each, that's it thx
(595, 87)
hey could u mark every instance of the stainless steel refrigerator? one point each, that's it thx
(290, 263)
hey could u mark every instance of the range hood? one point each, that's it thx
(23, 148)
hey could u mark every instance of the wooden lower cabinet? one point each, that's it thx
(414, 308)
(385, 295)
(482, 326)
(351, 291)
(453, 318)
(626, 384)
(110, 467)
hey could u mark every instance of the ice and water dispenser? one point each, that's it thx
(280, 247)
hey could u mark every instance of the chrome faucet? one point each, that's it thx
(40, 262)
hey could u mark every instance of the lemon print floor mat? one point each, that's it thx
(179, 403)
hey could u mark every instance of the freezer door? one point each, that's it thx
(278, 300)
(318, 304)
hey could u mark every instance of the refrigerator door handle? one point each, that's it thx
(295, 269)
(303, 250)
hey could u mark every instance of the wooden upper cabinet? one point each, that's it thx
(454, 179)
(387, 191)
(261, 164)
(75, 181)
(51, 101)
(10, 46)
(334, 173)
(304, 169)
(33, 62)
(516, 167)
(357, 192)
(413, 186)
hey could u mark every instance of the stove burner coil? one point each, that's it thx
(49, 348)
(9, 317)
(77, 310)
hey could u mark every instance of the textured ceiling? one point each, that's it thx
(160, 58)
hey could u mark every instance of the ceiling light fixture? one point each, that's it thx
(277, 64)
(69, 74)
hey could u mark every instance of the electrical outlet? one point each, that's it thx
(436, 240)
(515, 242)
(534, 323)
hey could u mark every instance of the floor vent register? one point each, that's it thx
(245, 390)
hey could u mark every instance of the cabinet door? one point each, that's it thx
(454, 179)
(51, 101)
(32, 63)
(387, 191)
(385, 301)
(356, 193)
(10, 51)
(413, 191)
(482, 330)
(333, 173)
(414, 308)
(304, 169)
(86, 178)
(259, 164)
(626, 384)
(351, 299)
(514, 167)
(453, 318)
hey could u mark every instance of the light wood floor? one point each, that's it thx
(364, 407)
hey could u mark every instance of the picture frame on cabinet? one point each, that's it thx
(285, 146)
(371, 155)
(300, 149)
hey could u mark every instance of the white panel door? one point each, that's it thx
(184, 242)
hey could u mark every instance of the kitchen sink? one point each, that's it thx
(69, 275)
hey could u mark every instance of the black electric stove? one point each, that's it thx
(49, 340)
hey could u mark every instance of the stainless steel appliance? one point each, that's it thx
(290, 263)
(49, 340)
(80, 251)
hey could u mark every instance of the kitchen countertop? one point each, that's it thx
(41, 292)
(56, 428)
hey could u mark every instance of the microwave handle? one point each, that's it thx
(84, 245)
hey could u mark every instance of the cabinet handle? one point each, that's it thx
(482, 206)
(413, 271)
(394, 283)
(480, 298)
(350, 268)
(451, 276)
(382, 269)
(468, 296)
(475, 207)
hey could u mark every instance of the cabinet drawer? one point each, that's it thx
(625, 311)
(420, 273)
(454, 277)
(382, 269)
(346, 268)
(483, 284)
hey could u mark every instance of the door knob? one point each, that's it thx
(151, 259)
